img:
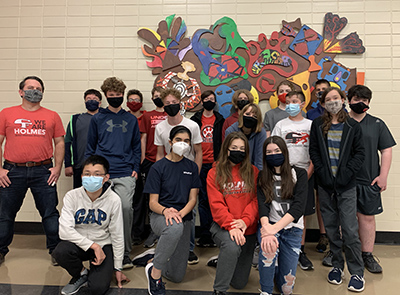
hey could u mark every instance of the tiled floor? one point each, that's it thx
(29, 264)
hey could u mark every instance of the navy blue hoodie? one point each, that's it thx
(116, 137)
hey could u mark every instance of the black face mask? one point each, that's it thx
(115, 102)
(209, 105)
(158, 102)
(249, 122)
(92, 105)
(242, 103)
(172, 109)
(359, 107)
(236, 157)
(275, 160)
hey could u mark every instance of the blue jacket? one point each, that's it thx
(116, 137)
(256, 142)
(315, 113)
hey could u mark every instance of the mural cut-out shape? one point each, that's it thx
(219, 59)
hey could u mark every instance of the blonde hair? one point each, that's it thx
(254, 109)
(235, 96)
(170, 91)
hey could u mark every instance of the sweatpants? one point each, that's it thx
(70, 257)
(124, 187)
(172, 250)
(234, 261)
(340, 211)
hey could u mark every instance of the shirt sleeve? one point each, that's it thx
(136, 147)
(267, 127)
(144, 123)
(68, 142)
(196, 183)
(218, 206)
(116, 230)
(196, 134)
(157, 135)
(386, 139)
(298, 206)
(153, 180)
(250, 212)
(277, 130)
(58, 126)
(3, 123)
(92, 137)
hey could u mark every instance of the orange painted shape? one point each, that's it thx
(313, 65)
(360, 78)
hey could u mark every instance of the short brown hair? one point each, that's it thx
(287, 83)
(299, 94)
(157, 88)
(235, 96)
(170, 91)
(255, 109)
(113, 84)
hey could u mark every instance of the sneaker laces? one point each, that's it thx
(160, 285)
(329, 254)
(370, 258)
(358, 278)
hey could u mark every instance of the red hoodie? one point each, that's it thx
(234, 201)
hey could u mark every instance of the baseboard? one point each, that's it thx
(382, 237)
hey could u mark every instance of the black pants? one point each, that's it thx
(141, 202)
(70, 257)
(77, 177)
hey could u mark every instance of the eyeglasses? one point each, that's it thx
(96, 174)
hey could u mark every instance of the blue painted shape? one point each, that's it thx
(304, 35)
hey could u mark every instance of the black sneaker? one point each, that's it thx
(127, 263)
(142, 259)
(155, 287)
(370, 263)
(335, 276)
(151, 240)
(2, 258)
(323, 243)
(205, 241)
(53, 261)
(193, 259)
(213, 261)
(327, 260)
(304, 262)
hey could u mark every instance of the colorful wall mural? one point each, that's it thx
(219, 59)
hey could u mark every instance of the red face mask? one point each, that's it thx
(134, 106)
(282, 97)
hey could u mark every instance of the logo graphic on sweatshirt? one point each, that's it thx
(111, 126)
(297, 137)
(236, 187)
(27, 127)
(90, 217)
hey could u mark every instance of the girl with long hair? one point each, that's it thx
(231, 186)
(337, 152)
(250, 123)
(282, 195)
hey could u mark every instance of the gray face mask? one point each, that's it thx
(334, 106)
(33, 95)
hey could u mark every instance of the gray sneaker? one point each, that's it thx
(74, 285)
(151, 240)
(327, 261)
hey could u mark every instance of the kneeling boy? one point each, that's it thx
(91, 228)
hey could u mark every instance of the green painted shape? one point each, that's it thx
(169, 20)
(229, 31)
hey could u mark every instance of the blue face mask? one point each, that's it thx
(92, 183)
(293, 109)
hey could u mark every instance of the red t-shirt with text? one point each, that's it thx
(29, 134)
(148, 123)
(207, 131)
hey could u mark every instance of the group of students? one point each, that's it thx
(254, 180)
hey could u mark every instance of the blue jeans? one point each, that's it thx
(204, 207)
(12, 197)
(283, 264)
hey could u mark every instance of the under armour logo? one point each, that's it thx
(112, 126)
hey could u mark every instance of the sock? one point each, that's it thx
(84, 272)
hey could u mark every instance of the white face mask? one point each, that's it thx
(180, 148)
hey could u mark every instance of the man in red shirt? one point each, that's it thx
(147, 127)
(30, 131)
